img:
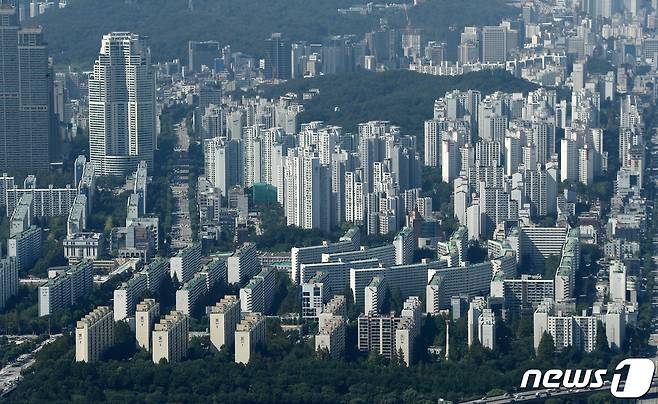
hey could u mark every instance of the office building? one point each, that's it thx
(249, 334)
(278, 57)
(224, 318)
(146, 314)
(26, 108)
(94, 334)
(494, 44)
(122, 118)
(170, 338)
(202, 54)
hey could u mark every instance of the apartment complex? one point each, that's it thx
(146, 314)
(94, 334)
(170, 337)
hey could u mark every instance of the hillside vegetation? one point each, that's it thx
(405, 98)
(74, 32)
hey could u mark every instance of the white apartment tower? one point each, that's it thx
(249, 334)
(224, 317)
(307, 191)
(170, 337)
(94, 334)
(146, 314)
(122, 118)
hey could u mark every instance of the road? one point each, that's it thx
(541, 395)
(10, 375)
(182, 226)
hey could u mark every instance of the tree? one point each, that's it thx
(601, 338)
(546, 348)
(550, 266)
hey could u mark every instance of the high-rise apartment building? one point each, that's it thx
(243, 264)
(249, 334)
(170, 337)
(224, 163)
(94, 334)
(307, 191)
(258, 294)
(8, 280)
(186, 263)
(566, 330)
(25, 247)
(122, 118)
(224, 317)
(331, 336)
(146, 315)
(66, 288)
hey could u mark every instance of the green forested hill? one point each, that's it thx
(74, 32)
(405, 98)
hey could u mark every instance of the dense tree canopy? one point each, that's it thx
(243, 24)
(405, 98)
(287, 370)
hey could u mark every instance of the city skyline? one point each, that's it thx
(370, 212)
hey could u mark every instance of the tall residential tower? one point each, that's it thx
(122, 127)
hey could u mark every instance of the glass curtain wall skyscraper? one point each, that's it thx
(26, 120)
